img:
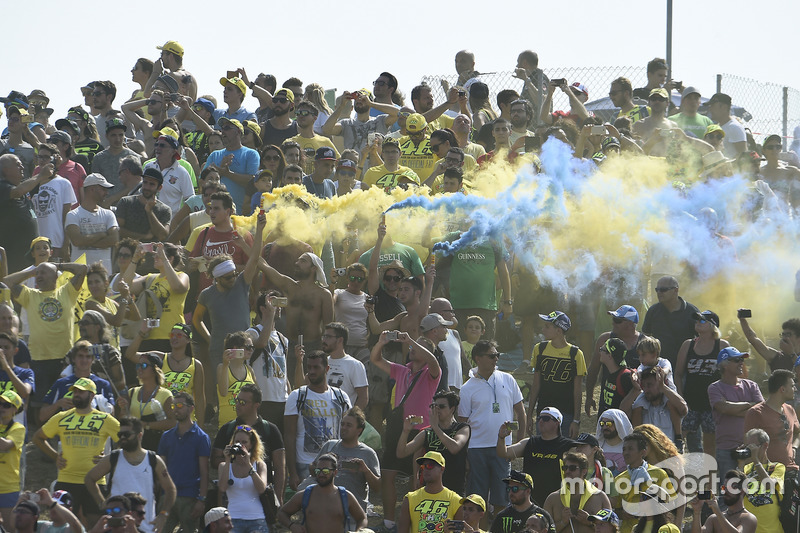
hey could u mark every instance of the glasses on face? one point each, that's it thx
(179, 405)
(271, 158)
(276, 100)
(428, 465)
(665, 289)
(378, 83)
(125, 255)
(242, 402)
(773, 147)
(515, 489)
(115, 510)
(228, 128)
(714, 136)
(452, 160)
(618, 320)
(124, 434)
(5, 405)
(228, 277)
(392, 278)
(493, 355)
(154, 102)
(303, 113)
(606, 423)
(139, 513)
(161, 145)
(45, 157)
(323, 471)
(98, 93)
(612, 93)
(570, 468)
(439, 406)
(545, 418)
(356, 278)
(657, 99)
(142, 366)
(249, 347)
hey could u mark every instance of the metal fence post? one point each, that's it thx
(719, 83)
(785, 117)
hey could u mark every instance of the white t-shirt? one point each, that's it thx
(177, 185)
(734, 133)
(49, 205)
(347, 373)
(477, 399)
(89, 223)
(270, 371)
(451, 347)
(319, 421)
(667, 366)
(349, 310)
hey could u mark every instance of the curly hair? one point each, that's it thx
(660, 447)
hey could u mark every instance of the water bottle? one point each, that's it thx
(158, 410)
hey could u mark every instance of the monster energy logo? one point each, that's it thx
(507, 521)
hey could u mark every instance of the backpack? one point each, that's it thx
(342, 495)
(114, 459)
(620, 390)
(573, 353)
(339, 399)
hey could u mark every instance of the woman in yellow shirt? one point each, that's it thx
(233, 373)
(12, 439)
(151, 402)
(113, 311)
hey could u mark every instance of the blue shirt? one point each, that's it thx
(25, 375)
(245, 161)
(60, 389)
(240, 114)
(322, 190)
(181, 453)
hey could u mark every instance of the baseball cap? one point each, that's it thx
(689, 90)
(153, 173)
(606, 515)
(235, 81)
(40, 239)
(63, 497)
(581, 87)
(115, 123)
(84, 384)
(346, 163)
(415, 123)
(722, 98)
(476, 499)
(87, 89)
(170, 82)
(206, 103)
(253, 126)
(588, 438)
(659, 91)
(15, 98)
(172, 46)
(707, 315)
(731, 353)
(616, 348)
(154, 359)
(609, 141)
(233, 122)
(186, 329)
(554, 412)
(67, 124)
(81, 112)
(626, 312)
(59, 135)
(96, 179)
(325, 153)
(669, 528)
(286, 93)
(712, 128)
(215, 514)
(12, 397)
(436, 457)
(433, 320)
(29, 505)
(390, 141)
(170, 140)
(169, 132)
(559, 319)
(520, 477)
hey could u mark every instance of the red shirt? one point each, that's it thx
(211, 243)
(765, 417)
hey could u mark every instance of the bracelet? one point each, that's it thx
(252, 471)
(53, 505)
(509, 302)
(576, 422)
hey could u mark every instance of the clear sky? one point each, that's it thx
(344, 45)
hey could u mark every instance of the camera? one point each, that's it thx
(341, 272)
(513, 425)
(372, 300)
(279, 301)
(237, 449)
(741, 453)
(462, 94)
(744, 313)
(350, 465)
(391, 335)
(116, 521)
(704, 495)
(456, 525)
(153, 323)
(238, 353)
(559, 81)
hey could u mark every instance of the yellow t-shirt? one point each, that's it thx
(469, 166)
(9, 459)
(227, 404)
(171, 305)
(429, 511)
(82, 437)
(475, 150)
(417, 157)
(5, 296)
(761, 500)
(148, 408)
(444, 121)
(50, 319)
(385, 179)
(310, 146)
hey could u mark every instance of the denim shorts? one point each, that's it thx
(249, 526)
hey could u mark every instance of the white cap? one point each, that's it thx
(215, 514)
(96, 179)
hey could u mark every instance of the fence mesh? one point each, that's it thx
(764, 102)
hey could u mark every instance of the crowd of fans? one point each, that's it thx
(154, 301)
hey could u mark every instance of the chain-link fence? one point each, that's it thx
(768, 108)
(775, 109)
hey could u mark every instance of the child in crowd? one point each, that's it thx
(618, 379)
(262, 183)
(473, 332)
(649, 350)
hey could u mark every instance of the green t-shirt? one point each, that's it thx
(407, 256)
(472, 278)
(695, 125)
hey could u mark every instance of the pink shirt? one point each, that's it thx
(75, 173)
(418, 403)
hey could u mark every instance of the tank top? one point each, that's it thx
(149, 409)
(631, 355)
(137, 478)
(243, 502)
(171, 306)
(430, 511)
(701, 371)
(182, 381)
(454, 475)
(227, 404)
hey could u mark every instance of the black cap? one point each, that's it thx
(153, 173)
(29, 505)
(722, 98)
(587, 438)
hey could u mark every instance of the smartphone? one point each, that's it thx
(391, 336)
(349, 465)
(278, 301)
(462, 94)
(116, 521)
(299, 340)
(153, 323)
(341, 272)
(238, 353)
(559, 81)
(704, 495)
(744, 313)
(598, 130)
(175, 97)
(456, 525)
(370, 138)
(97, 350)
(416, 419)
(233, 74)
(34, 497)
(513, 425)
(148, 247)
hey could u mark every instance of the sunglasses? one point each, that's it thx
(570, 468)
(162, 145)
(139, 513)
(452, 160)
(98, 93)
(439, 406)
(515, 489)
(606, 423)
(324, 471)
(125, 256)
(276, 100)
(303, 113)
(356, 278)
(179, 405)
(115, 510)
(271, 158)
(434, 147)
(124, 434)
(242, 402)
(494, 355)
(154, 102)
(773, 147)
(5, 405)
(665, 289)
(378, 83)
(546, 419)
(392, 278)
(428, 465)
(143, 366)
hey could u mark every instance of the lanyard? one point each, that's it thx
(143, 406)
(492, 386)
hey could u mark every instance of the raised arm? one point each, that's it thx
(343, 108)
(376, 355)
(373, 281)
(433, 365)
(763, 350)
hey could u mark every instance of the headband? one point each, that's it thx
(223, 268)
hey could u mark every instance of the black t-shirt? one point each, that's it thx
(386, 307)
(89, 148)
(16, 213)
(610, 394)
(455, 474)
(271, 438)
(131, 211)
(541, 459)
(272, 135)
(671, 328)
(509, 520)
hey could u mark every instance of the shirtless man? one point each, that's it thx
(171, 63)
(310, 303)
(324, 512)
(576, 517)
